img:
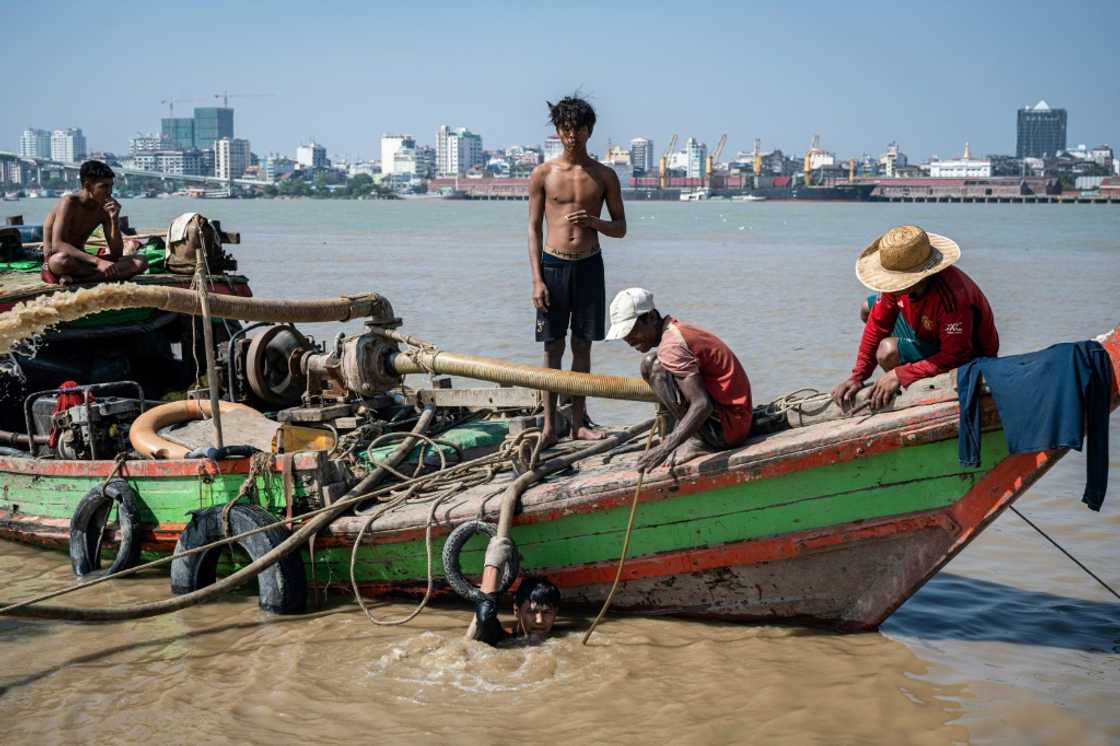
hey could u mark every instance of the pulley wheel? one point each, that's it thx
(268, 365)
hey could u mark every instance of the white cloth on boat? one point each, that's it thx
(178, 230)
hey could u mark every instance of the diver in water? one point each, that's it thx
(535, 604)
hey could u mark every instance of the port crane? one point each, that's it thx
(814, 146)
(756, 160)
(713, 159)
(663, 164)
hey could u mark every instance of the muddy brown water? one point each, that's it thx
(1011, 643)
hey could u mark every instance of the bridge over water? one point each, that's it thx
(44, 163)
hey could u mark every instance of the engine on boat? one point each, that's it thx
(95, 429)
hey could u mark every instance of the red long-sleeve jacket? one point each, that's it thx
(952, 311)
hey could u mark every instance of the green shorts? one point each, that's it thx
(910, 348)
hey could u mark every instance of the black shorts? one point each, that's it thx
(577, 295)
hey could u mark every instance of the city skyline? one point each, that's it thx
(859, 77)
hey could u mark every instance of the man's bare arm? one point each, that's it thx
(63, 219)
(616, 226)
(112, 227)
(699, 409)
(612, 197)
(536, 237)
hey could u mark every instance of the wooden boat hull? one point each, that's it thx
(835, 524)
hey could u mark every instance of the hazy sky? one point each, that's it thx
(927, 74)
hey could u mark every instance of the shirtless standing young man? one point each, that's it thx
(71, 222)
(568, 286)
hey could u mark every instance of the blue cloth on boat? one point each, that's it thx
(1046, 399)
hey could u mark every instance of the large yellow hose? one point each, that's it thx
(34, 316)
(519, 374)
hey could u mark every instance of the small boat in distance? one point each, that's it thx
(748, 198)
(696, 195)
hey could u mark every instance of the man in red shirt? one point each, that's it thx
(694, 375)
(949, 315)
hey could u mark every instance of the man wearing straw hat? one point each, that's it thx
(948, 318)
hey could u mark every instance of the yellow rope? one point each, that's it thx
(626, 539)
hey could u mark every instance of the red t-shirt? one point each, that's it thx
(687, 349)
(952, 312)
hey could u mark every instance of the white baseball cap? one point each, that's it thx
(626, 307)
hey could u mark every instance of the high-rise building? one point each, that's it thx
(1041, 131)
(147, 144)
(178, 131)
(441, 149)
(641, 155)
(458, 150)
(212, 123)
(390, 145)
(425, 162)
(171, 162)
(311, 155)
(697, 153)
(231, 157)
(35, 144)
(68, 145)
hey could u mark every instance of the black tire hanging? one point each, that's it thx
(283, 586)
(87, 527)
(454, 574)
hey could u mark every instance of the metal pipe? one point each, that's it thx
(9, 438)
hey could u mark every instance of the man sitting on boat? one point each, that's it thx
(938, 316)
(694, 375)
(71, 222)
(535, 604)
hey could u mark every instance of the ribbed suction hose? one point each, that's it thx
(426, 359)
(35, 316)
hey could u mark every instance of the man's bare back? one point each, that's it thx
(70, 224)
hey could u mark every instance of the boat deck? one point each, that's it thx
(599, 477)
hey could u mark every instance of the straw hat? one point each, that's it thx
(903, 256)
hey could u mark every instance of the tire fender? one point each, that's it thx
(87, 525)
(454, 574)
(283, 586)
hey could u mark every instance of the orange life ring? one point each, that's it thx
(143, 433)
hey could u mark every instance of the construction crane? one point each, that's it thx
(171, 101)
(713, 159)
(225, 96)
(814, 146)
(663, 164)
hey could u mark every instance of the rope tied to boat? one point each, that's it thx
(1064, 551)
(118, 464)
(657, 428)
(260, 466)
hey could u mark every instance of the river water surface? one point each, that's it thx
(1011, 643)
